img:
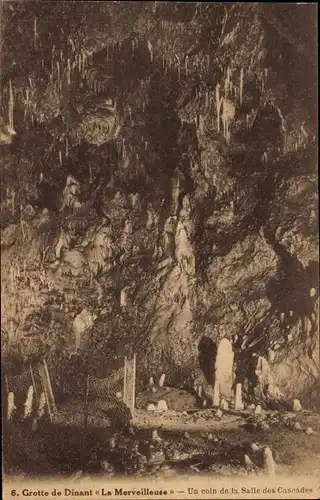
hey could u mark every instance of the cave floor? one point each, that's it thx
(198, 447)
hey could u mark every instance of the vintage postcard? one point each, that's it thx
(159, 250)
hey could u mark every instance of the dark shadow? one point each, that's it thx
(207, 358)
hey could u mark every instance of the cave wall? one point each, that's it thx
(159, 173)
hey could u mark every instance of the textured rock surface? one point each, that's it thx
(191, 139)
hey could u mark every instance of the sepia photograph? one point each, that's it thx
(159, 250)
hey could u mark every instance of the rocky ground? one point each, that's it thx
(167, 442)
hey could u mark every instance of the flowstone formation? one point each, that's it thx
(159, 191)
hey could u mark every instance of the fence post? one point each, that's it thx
(133, 385)
(46, 384)
(125, 381)
(33, 381)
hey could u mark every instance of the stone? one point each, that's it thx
(251, 407)
(309, 430)
(296, 405)
(154, 389)
(151, 381)
(312, 292)
(238, 405)
(269, 465)
(297, 426)
(210, 436)
(224, 367)
(162, 405)
(161, 380)
(151, 407)
(224, 405)
(187, 435)
(119, 395)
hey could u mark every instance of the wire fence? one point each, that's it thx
(88, 398)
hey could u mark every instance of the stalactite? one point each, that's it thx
(219, 102)
(60, 157)
(83, 64)
(241, 86)
(35, 32)
(186, 65)
(69, 71)
(11, 107)
(52, 58)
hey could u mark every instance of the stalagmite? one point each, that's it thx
(123, 298)
(309, 430)
(35, 32)
(162, 405)
(224, 367)
(269, 465)
(151, 407)
(255, 448)
(219, 102)
(238, 405)
(224, 405)
(155, 436)
(241, 87)
(161, 380)
(216, 394)
(11, 405)
(247, 461)
(150, 48)
(151, 381)
(11, 107)
(69, 71)
(258, 410)
(28, 403)
(296, 405)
